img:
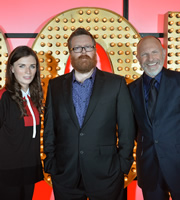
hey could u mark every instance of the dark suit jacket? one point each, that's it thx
(161, 139)
(91, 150)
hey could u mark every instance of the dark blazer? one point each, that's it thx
(161, 139)
(89, 151)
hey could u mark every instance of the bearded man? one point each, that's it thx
(83, 110)
(156, 101)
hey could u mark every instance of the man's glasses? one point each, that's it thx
(80, 49)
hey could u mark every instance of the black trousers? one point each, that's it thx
(161, 192)
(24, 192)
(79, 193)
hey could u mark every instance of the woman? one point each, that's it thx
(20, 106)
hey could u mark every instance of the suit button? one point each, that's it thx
(81, 152)
(156, 141)
(81, 134)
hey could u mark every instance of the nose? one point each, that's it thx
(28, 70)
(150, 57)
(83, 50)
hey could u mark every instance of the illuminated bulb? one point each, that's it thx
(81, 20)
(112, 19)
(177, 46)
(111, 28)
(135, 76)
(112, 53)
(49, 68)
(170, 62)
(65, 28)
(65, 44)
(96, 36)
(135, 36)
(127, 76)
(120, 20)
(104, 19)
(88, 12)
(135, 68)
(49, 76)
(96, 12)
(119, 68)
(65, 20)
(80, 12)
(49, 52)
(127, 68)
(104, 36)
(57, 36)
(171, 23)
(112, 36)
(103, 28)
(177, 69)
(135, 61)
(88, 20)
(119, 36)
(178, 15)
(177, 62)
(41, 68)
(127, 44)
(171, 15)
(127, 60)
(58, 68)
(57, 60)
(57, 20)
(96, 19)
(50, 28)
(72, 28)
(6, 54)
(112, 44)
(178, 54)
(127, 36)
(65, 36)
(127, 28)
(58, 44)
(170, 30)
(171, 39)
(120, 52)
(125, 178)
(49, 60)
(88, 28)
(120, 61)
(42, 36)
(170, 46)
(96, 28)
(120, 44)
(41, 52)
(49, 36)
(41, 76)
(135, 44)
(41, 60)
(119, 28)
(178, 31)
(57, 52)
(49, 178)
(73, 20)
(49, 44)
(133, 170)
(42, 44)
(42, 84)
(57, 28)
(170, 54)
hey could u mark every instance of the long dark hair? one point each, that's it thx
(13, 86)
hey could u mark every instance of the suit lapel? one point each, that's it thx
(139, 94)
(67, 91)
(96, 93)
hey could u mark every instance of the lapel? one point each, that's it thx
(96, 94)
(163, 91)
(67, 93)
(138, 91)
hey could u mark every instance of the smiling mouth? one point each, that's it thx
(152, 64)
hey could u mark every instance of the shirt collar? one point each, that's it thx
(24, 94)
(147, 79)
(91, 77)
